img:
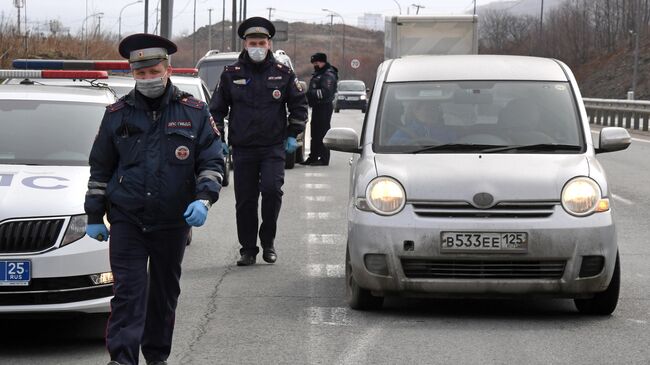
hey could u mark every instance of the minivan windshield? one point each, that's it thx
(210, 71)
(351, 86)
(65, 132)
(478, 116)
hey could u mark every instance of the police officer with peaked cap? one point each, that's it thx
(255, 93)
(155, 169)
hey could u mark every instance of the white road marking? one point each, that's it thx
(622, 200)
(319, 198)
(326, 271)
(315, 174)
(358, 352)
(637, 321)
(332, 316)
(323, 239)
(319, 215)
(315, 186)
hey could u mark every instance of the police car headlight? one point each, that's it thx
(76, 229)
(385, 196)
(581, 196)
(362, 97)
(341, 97)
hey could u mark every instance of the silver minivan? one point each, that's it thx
(476, 176)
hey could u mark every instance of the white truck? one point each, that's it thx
(430, 35)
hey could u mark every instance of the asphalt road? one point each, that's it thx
(294, 312)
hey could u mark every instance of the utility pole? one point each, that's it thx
(166, 11)
(194, 36)
(146, 16)
(241, 9)
(417, 10)
(223, 26)
(210, 28)
(541, 22)
(270, 11)
(246, 6)
(99, 26)
(331, 29)
(233, 41)
(637, 25)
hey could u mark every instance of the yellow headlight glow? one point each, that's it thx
(385, 195)
(581, 196)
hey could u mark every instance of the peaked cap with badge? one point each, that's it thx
(256, 26)
(146, 50)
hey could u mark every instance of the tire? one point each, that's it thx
(226, 172)
(300, 155)
(604, 303)
(357, 297)
(336, 110)
(290, 161)
(363, 111)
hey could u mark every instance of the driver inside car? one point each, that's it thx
(423, 123)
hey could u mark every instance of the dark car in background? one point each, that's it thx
(351, 94)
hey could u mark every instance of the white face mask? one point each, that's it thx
(257, 54)
(151, 88)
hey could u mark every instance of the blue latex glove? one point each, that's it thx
(97, 231)
(196, 213)
(290, 145)
(225, 148)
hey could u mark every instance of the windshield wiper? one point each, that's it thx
(536, 147)
(456, 147)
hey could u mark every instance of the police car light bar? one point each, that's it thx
(36, 64)
(52, 74)
(185, 71)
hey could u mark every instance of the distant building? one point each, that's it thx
(371, 21)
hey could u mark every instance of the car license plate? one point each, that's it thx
(484, 242)
(353, 98)
(15, 272)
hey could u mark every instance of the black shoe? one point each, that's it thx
(246, 260)
(269, 255)
(308, 161)
(113, 363)
(157, 362)
(319, 163)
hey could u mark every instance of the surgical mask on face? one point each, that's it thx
(257, 54)
(151, 88)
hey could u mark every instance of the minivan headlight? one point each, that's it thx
(385, 195)
(581, 196)
(76, 229)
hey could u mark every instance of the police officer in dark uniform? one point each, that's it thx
(155, 169)
(257, 91)
(322, 89)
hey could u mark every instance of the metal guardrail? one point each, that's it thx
(630, 114)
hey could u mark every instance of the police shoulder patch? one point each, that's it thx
(192, 102)
(116, 106)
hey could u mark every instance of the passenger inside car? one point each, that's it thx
(423, 123)
(520, 121)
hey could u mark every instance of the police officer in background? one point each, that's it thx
(155, 169)
(257, 91)
(322, 89)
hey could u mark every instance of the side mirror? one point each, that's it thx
(342, 139)
(613, 139)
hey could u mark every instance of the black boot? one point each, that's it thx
(246, 260)
(269, 255)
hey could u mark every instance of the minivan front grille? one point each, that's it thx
(29, 235)
(522, 209)
(481, 269)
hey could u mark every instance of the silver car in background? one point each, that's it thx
(477, 176)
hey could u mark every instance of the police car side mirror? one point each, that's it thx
(342, 140)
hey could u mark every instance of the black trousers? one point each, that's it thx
(321, 116)
(143, 308)
(258, 170)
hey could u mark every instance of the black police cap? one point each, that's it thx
(144, 50)
(256, 25)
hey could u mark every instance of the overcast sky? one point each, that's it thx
(73, 12)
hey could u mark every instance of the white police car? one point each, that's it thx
(47, 263)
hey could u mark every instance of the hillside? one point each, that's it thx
(520, 7)
(304, 40)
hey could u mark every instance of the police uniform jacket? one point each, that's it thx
(322, 86)
(146, 166)
(258, 96)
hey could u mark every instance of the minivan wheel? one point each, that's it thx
(357, 297)
(604, 303)
(336, 110)
(290, 160)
